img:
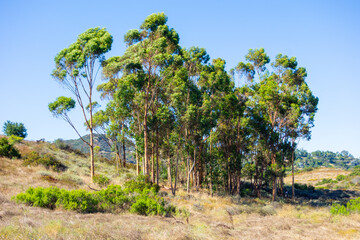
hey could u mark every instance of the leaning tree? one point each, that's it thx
(76, 69)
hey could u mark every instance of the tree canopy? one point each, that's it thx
(14, 128)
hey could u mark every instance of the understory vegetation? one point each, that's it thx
(353, 206)
(7, 149)
(136, 197)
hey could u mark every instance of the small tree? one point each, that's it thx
(76, 68)
(14, 128)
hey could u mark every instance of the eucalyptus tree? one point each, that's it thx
(283, 107)
(76, 69)
(136, 77)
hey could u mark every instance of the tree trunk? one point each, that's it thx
(274, 190)
(176, 171)
(92, 159)
(137, 161)
(189, 174)
(152, 163)
(293, 175)
(146, 160)
(124, 147)
(157, 157)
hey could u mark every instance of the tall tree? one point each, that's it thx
(141, 70)
(77, 67)
(283, 106)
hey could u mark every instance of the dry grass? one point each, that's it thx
(208, 217)
(316, 175)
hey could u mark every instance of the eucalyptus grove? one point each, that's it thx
(191, 122)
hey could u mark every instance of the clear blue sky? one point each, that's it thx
(323, 35)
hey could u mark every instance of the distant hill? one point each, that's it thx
(105, 149)
(342, 159)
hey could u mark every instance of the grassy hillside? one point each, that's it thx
(105, 149)
(206, 217)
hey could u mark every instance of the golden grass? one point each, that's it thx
(209, 217)
(316, 175)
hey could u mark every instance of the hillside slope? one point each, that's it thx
(105, 149)
(217, 217)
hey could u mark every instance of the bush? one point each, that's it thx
(13, 128)
(40, 197)
(111, 199)
(78, 200)
(8, 150)
(300, 186)
(326, 181)
(352, 206)
(340, 177)
(15, 139)
(101, 180)
(47, 160)
(147, 205)
(139, 186)
(245, 192)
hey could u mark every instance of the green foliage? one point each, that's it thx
(326, 181)
(7, 149)
(142, 201)
(337, 209)
(301, 186)
(40, 197)
(150, 205)
(61, 106)
(78, 200)
(15, 139)
(14, 128)
(340, 177)
(140, 186)
(47, 160)
(352, 206)
(316, 159)
(101, 180)
(356, 171)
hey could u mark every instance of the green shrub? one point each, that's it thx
(356, 171)
(147, 205)
(337, 209)
(136, 186)
(111, 199)
(101, 180)
(15, 139)
(47, 160)
(78, 200)
(352, 206)
(8, 150)
(340, 177)
(245, 192)
(326, 181)
(301, 186)
(40, 197)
